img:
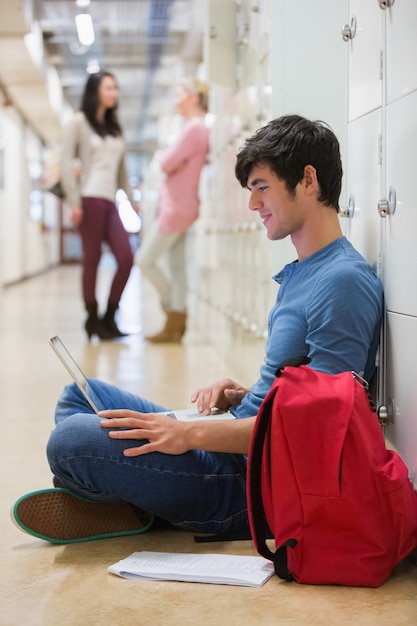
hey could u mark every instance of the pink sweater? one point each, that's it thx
(182, 163)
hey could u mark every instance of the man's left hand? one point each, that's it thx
(158, 432)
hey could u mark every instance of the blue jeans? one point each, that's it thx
(201, 491)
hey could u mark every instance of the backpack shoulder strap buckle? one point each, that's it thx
(361, 380)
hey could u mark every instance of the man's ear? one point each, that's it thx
(310, 182)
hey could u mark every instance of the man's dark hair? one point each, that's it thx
(90, 103)
(289, 143)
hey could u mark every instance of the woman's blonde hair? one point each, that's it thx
(193, 85)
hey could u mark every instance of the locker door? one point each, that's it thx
(400, 255)
(400, 265)
(401, 54)
(220, 42)
(365, 85)
(363, 184)
(401, 387)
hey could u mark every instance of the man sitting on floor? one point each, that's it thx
(131, 462)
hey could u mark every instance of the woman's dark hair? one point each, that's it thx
(289, 143)
(90, 103)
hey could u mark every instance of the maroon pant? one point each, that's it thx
(101, 223)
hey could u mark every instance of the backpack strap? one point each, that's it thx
(257, 512)
(256, 507)
(227, 535)
(294, 362)
(281, 560)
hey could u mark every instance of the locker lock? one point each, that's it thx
(387, 206)
(348, 211)
(387, 413)
(385, 4)
(349, 30)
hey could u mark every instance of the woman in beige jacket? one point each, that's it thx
(94, 136)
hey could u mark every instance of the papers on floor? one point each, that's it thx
(221, 569)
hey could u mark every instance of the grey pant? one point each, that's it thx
(169, 279)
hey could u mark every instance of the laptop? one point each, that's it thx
(77, 374)
(87, 389)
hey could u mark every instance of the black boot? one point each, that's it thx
(94, 325)
(109, 321)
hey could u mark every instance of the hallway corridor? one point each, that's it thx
(46, 585)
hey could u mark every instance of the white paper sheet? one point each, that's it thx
(223, 569)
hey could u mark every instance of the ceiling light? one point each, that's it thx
(93, 67)
(85, 29)
(82, 3)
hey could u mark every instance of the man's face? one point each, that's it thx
(279, 210)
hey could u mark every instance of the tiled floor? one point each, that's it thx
(43, 584)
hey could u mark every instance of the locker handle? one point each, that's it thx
(349, 30)
(387, 413)
(348, 211)
(387, 206)
(385, 4)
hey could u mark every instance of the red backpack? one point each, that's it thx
(340, 506)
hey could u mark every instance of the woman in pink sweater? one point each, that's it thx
(178, 208)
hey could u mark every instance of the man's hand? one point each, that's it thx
(222, 395)
(163, 434)
(166, 435)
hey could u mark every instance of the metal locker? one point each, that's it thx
(401, 53)
(363, 33)
(363, 181)
(401, 389)
(400, 262)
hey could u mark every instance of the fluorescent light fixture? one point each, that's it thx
(82, 3)
(93, 67)
(85, 29)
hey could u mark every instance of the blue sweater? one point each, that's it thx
(329, 308)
